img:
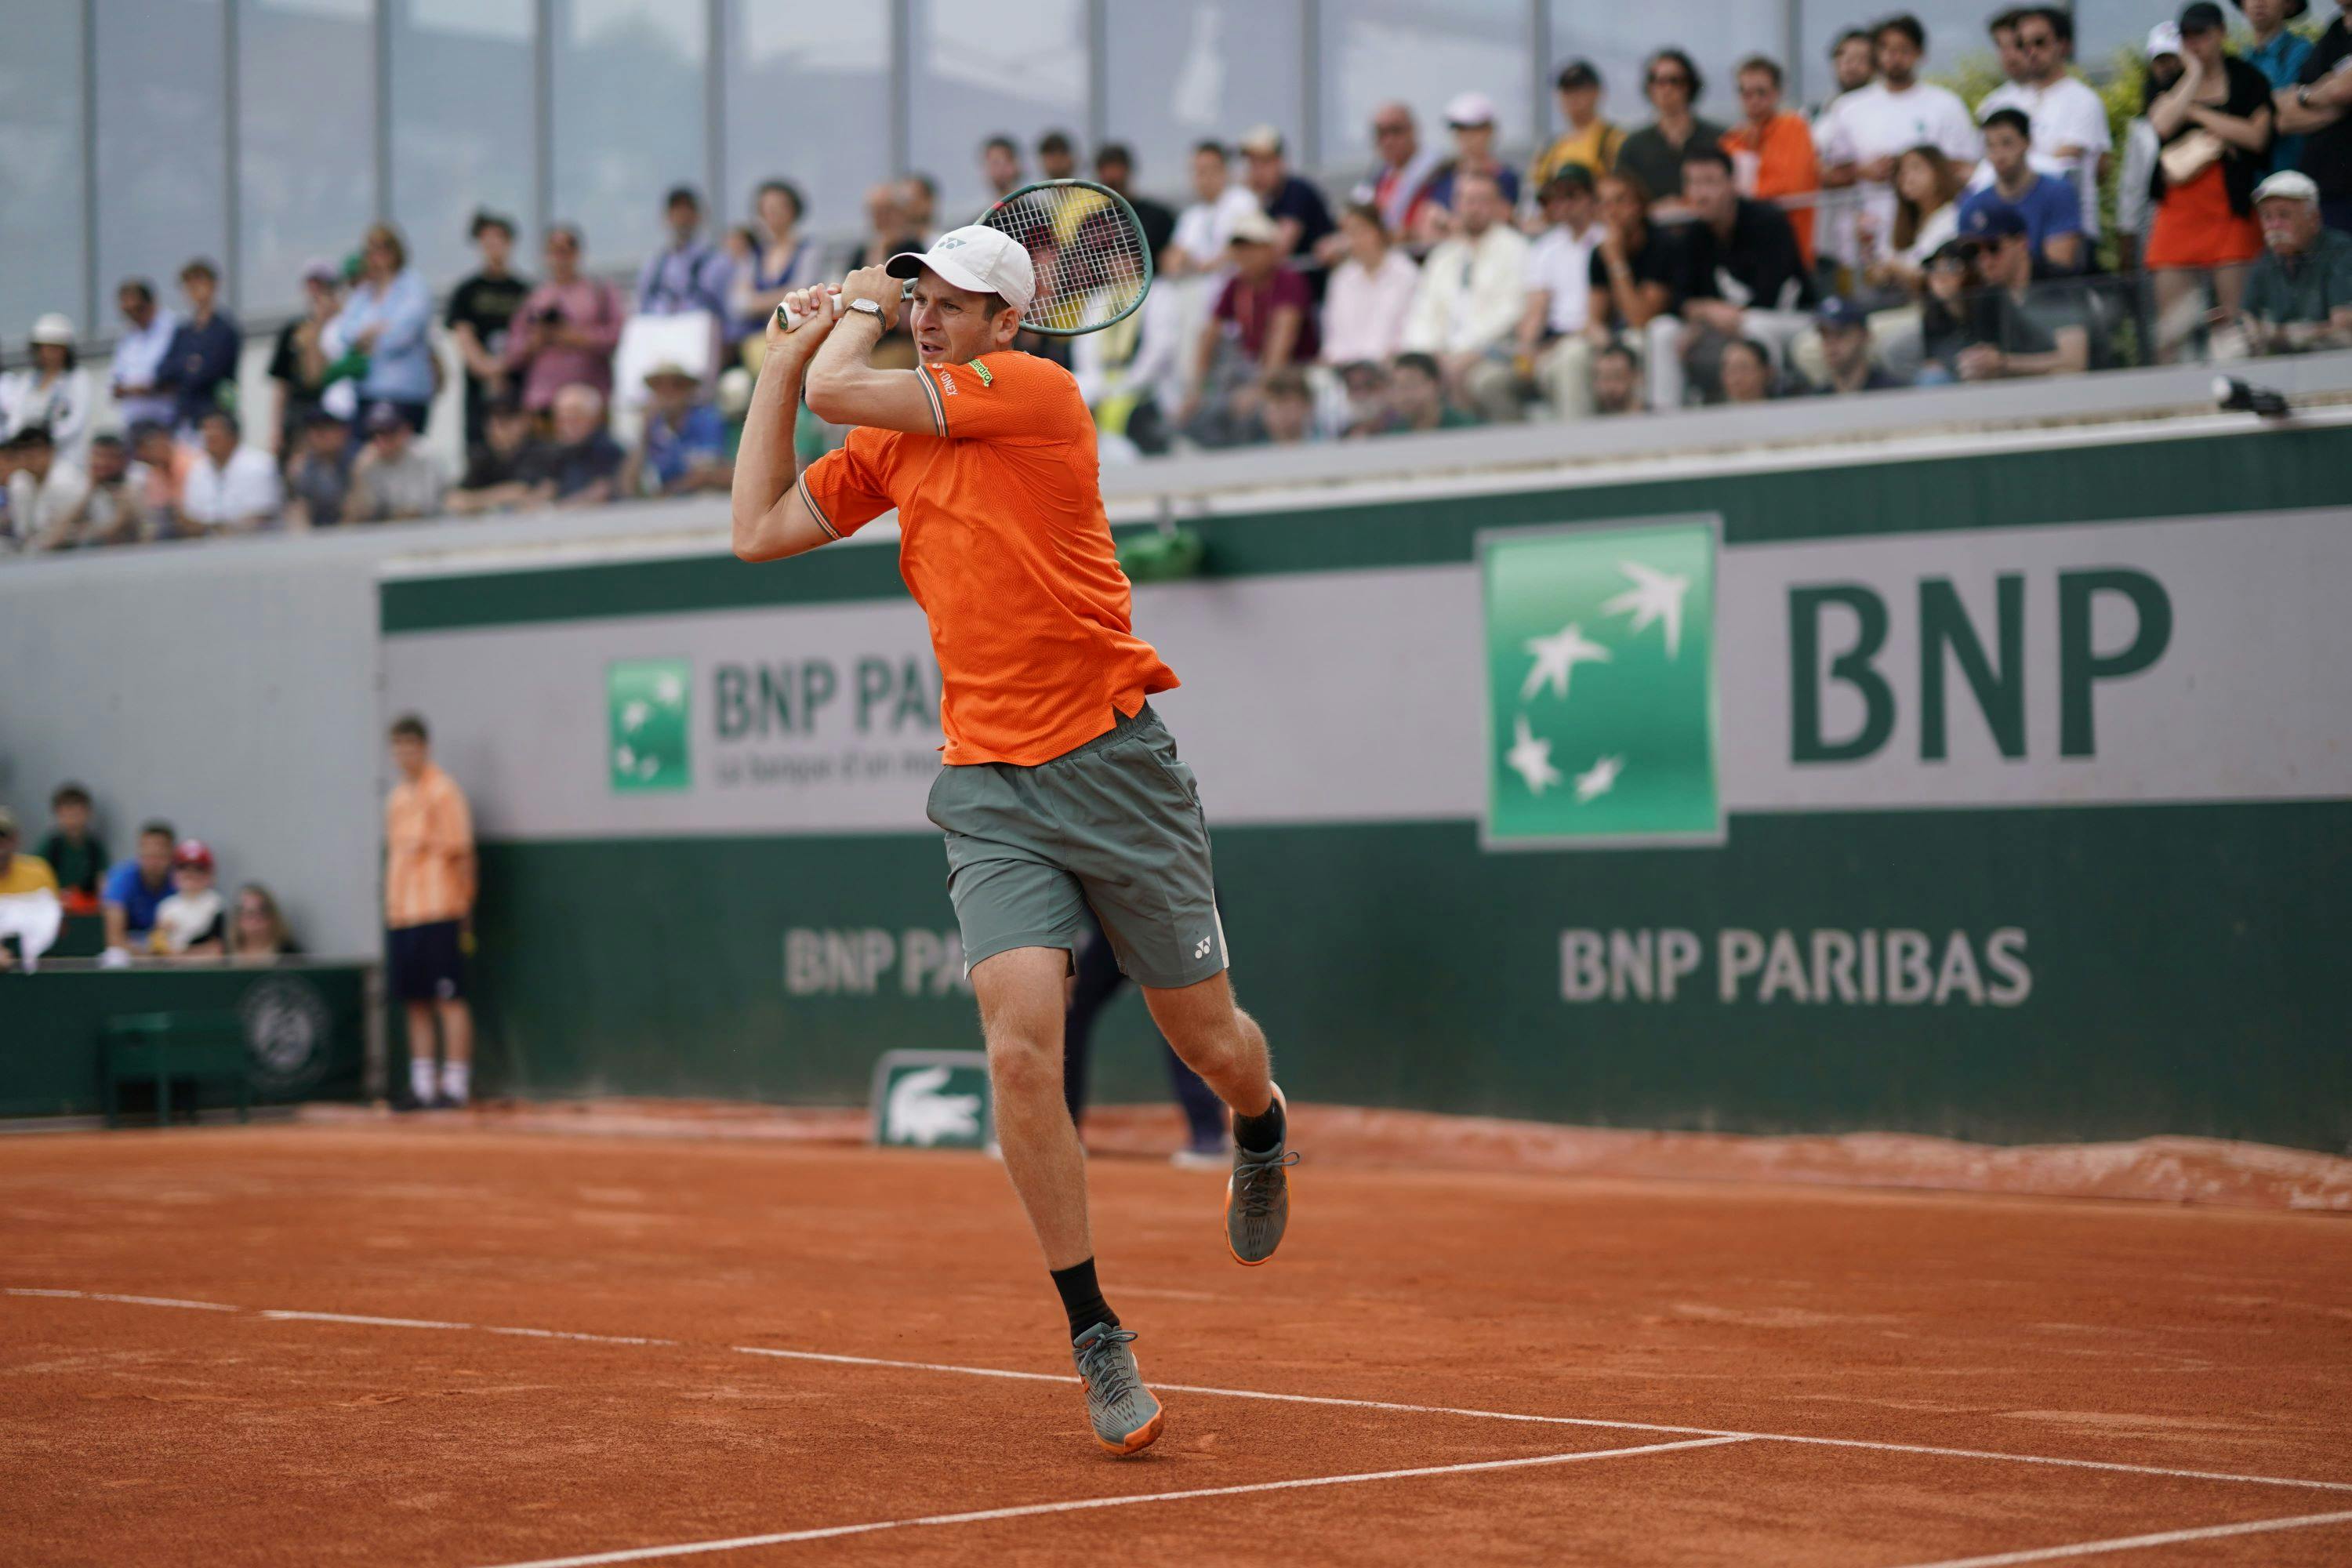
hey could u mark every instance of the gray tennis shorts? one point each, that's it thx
(1115, 824)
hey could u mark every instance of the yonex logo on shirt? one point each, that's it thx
(947, 381)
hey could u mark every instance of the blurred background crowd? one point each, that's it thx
(1683, 236)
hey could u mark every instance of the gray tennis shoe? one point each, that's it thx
(1126, 1417)
(1257, 1196)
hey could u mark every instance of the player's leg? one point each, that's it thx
(1020, 994)
(1204, 1113)
(1097, 982)
(1140, 845)
(1020, 915)
(456, 1050)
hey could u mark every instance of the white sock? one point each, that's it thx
(455, 1078)
(420, 1077)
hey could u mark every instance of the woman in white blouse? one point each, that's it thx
(1370, 292)
(1927, 214)
(53, 390)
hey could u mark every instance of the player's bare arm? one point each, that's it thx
(772, 520)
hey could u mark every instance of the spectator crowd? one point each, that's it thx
(164, 903)
(1892, 235)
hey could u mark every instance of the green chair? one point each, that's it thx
(197, 1047)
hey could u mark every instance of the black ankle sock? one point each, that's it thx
(1261, 1133)
(1082, 1297)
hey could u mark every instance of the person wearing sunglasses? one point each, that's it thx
(1653, 155)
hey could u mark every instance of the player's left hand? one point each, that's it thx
(876, 284)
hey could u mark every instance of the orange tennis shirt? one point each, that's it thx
(1002, 541)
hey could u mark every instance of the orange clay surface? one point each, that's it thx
(1672, 1336)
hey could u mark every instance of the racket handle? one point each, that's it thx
(793, 320)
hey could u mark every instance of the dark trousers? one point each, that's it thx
(1099, 980)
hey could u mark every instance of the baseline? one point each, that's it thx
(1660, 1428)
(1077, 1505)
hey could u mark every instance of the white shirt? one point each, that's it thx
(1471, 292)
(1560, 264)
(1939, 226)
(138, 355)
(2066, 113)
(1206, 229)
(183, 918)
(63, 405)
(35, 506)
(1364, 312)
(1873, 122)
(246, 486)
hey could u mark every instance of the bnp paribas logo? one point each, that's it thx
(646, 699)
(1601, 686)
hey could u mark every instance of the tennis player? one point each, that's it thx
(1061, 787)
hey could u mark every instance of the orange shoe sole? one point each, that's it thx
(1142, 1437)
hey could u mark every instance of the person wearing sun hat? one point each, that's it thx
(52, 391)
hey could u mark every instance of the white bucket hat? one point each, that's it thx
(54, 327)
(983, 259)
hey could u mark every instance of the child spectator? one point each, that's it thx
(192, 922)
(76, 854)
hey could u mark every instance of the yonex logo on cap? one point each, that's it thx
(948, 244)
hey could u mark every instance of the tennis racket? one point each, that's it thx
(1086, 245)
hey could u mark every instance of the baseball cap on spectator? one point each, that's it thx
(2288, 184)
(192, 855)
(1253, 227)
(1837, 311)
(1470, 109)
(1994, 221)
(381, 416)
(2163, 38)
(54, 329)
(1576, 74)
(318, 269)
(975, 257)
(2203, 16)
(670, 370)
(1264, 141)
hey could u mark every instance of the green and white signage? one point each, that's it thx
(647, 713)
(932, 1100)
(1601, 686)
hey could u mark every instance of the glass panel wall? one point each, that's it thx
(1180, 74)
(808, 97)
(1423, 52)
(1014, 68)
(305, 139)
(629, 120)
(464, 116)
(162, 142)
(44, 260)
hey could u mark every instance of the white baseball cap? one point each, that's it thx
(1470, 109)
(53, 329)
(2163, 38)
(2291, 185)
(983, 259)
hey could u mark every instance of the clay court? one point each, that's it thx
(458, 1343)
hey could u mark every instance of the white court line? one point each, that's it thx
(592, 1339)
(2135, 1542)
(349, 1318)
(1929, 1450)
(127, 1301)
(1031, 1511)
(1569, 1421)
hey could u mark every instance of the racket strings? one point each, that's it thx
(1087, 255)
